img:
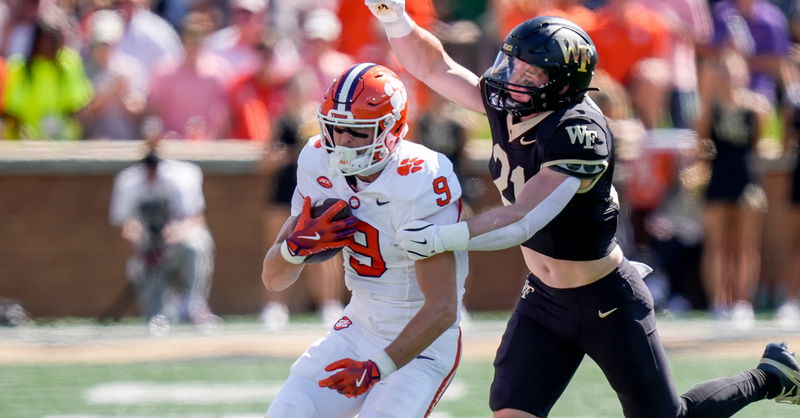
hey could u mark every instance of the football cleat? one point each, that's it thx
(779, 361)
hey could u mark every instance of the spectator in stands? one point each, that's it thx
(188, 95)
(147, 37)
(358, 40)
(159, 207)
(759, 31)
(118, 80)
(788, 313)
(321, 61)
(46, 89)
(258, 98)
(634, 44)
(510, 13)
(732, 118)
(238, 43)
(689, 24)
(16, 34)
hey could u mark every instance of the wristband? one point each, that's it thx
(288, 256)
(399, 28)
(454, 237)
(385, 364)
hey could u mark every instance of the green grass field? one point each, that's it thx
(222, 383)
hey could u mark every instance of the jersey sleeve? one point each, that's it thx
(308, 170)
(121, 197)
(438, 195)
(578, 148)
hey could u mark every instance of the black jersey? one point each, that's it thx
(577, 141)
(734, 133)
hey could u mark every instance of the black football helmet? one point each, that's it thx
(559, 47)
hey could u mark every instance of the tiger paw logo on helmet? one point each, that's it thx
(410, 165)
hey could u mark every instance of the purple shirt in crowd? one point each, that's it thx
(765, 32)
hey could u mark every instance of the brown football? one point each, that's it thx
(317, 211)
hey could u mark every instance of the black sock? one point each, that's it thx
(772, 384)
(725, 396)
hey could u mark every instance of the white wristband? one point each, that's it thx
(399, 28)
(455, 237)
(385, 363)
(288, 256)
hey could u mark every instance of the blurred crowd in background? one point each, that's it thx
(695, 90)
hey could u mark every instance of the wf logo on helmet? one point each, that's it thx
(578, 53)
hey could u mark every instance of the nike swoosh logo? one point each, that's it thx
(314, 237)
(605, 314)
(361, 380)
(423, 242)
(381, 203)
(524, 142)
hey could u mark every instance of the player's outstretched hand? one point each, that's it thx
(387, 11)
(355, 377)
(312, 235)
(420, 239)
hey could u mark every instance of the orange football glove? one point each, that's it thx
(312, 235)
(355, 378)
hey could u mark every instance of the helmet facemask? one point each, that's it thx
(511, 85)
(363, 160)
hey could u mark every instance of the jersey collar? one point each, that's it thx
(516, 130)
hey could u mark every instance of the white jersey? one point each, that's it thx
(179, 183)
(417, 183)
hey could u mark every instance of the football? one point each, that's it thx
(317, 211)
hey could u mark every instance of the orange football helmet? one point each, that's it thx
(366, 95)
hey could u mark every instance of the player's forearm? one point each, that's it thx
(423, 329)
(436, 277)
(424, 57)
(277, 273)
(544, 195)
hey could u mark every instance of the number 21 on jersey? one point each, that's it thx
(515, 180)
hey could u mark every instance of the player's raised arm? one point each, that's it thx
(424, 57)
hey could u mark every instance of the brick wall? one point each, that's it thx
(59, 255)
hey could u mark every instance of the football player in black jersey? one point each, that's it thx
(552, 161)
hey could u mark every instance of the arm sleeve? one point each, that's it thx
(520, 231)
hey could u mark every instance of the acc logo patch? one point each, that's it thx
(410, 165)
(342, 323)
(324, 182)
(318, 143)
(354, 202)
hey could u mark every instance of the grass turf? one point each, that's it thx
(38, 390)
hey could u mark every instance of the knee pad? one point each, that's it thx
(291, 405)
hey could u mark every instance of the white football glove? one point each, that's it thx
(387, 11)
(422, 239)
(392, 13)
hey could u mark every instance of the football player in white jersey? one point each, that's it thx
(396, 348)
